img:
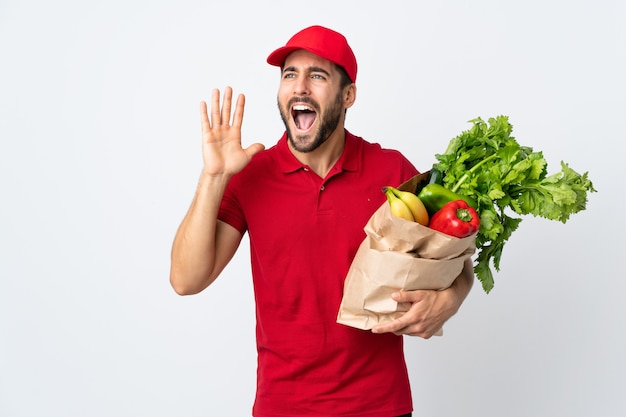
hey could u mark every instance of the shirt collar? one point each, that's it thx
(348, 161)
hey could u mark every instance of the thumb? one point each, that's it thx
(254, 149)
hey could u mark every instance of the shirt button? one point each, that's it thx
(322, 188)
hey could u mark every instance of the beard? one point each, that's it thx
(329, 120)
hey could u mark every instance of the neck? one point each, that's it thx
(322, 159)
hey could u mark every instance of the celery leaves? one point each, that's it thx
(507, 181)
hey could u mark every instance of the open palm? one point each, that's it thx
(221, 138)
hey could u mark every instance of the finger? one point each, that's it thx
(239, 107)
(216, 118)
(204, 118)
(228, 97)
(419, 332)
(254, 149)
(392, 327)
(406, 296)
(400, 328)
(399, 296)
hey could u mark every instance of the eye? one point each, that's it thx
(318, 76)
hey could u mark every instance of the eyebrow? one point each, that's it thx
(309, 70)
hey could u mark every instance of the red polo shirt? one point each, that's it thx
(304, 231)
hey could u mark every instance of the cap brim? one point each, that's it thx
(277, 58)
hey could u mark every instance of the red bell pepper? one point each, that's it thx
(456, 218)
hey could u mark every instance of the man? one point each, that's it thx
(304, 203)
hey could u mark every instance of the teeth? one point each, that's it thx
(302, 107)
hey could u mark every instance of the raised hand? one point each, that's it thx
(221, 137)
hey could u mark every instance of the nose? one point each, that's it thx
(301, 86)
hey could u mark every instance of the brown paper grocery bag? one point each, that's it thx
(398, 255)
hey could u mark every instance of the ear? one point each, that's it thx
(349, 95)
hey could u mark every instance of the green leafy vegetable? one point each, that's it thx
(487, 164)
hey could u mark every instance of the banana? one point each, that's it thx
(397, 206)
(413, 202)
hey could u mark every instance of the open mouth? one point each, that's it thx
(303, 116)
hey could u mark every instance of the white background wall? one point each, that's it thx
(99, 158)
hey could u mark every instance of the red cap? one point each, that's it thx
(323, 42)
